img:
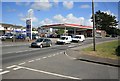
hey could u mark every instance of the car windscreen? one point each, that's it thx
(39, 40)
(77, 37)
(63, 38)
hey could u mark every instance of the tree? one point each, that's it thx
(107, 22)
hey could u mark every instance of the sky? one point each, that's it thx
(55, 12)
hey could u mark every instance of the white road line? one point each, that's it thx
(19, 51)
(57, 54)
(1, 69)
(26, 50)
(71, 46)
(22, 63)
(11, 66)
(50, 56)
(17, 68)
(70, 56)
(4, 72)
(50, 73)
(38, 59)
(61, 52)
(53, 55)
(10, 52)
(44, 57)
(31, 61)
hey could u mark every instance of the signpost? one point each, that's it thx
(29, 28)
(29, 24)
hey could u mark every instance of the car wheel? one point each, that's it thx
(78, 41)
(41, 46)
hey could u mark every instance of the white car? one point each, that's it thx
(78, 38)
(64, 40)
(2, 37)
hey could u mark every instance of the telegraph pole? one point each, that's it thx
(94, 47)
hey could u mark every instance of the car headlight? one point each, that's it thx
(38, 43)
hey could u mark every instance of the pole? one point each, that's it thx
(94, 47)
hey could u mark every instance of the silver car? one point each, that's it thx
(42, 42)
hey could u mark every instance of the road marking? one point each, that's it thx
(19, 51)
(57, 54)
(61, 52)
(69, 56)
(50, 73)
(38, 59)
(31, 61)
(4, 72)
(26, 50)
(50, 56)
(17, 68)
(22, 63)
(11, 66)
(9, 52)
(71, 46)
(53, 55)
(1, 69)
(44, 57)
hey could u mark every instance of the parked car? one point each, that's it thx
(42, 42)
(78, 38)
(64, 40)
(2, 37)
(20, 36)
(98, 36)
(9, 36)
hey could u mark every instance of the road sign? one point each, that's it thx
(29, 28)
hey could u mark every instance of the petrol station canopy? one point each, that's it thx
(67, 26)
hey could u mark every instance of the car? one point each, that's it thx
(2, 37)
(64, 40)
(42, 42)
(98, 36)
(9, 36)
(20, 36)
(78, 38)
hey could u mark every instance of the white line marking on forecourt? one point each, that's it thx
(50, 73)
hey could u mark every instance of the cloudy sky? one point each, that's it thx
(44, 13)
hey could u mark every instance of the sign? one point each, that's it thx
(29, 28)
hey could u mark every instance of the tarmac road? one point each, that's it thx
(23, 62)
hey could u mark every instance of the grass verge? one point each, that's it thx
(104, 50)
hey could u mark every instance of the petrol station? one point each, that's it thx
(71, 29)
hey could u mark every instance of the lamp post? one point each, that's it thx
(94, 46)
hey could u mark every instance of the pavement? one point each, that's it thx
(74, 53)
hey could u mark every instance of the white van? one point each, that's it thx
(64, 40)
(78, 38)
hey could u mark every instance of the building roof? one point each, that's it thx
(67, 26)
(10, 25)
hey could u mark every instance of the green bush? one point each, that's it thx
(118, 51)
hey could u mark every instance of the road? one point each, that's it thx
(23, 62)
